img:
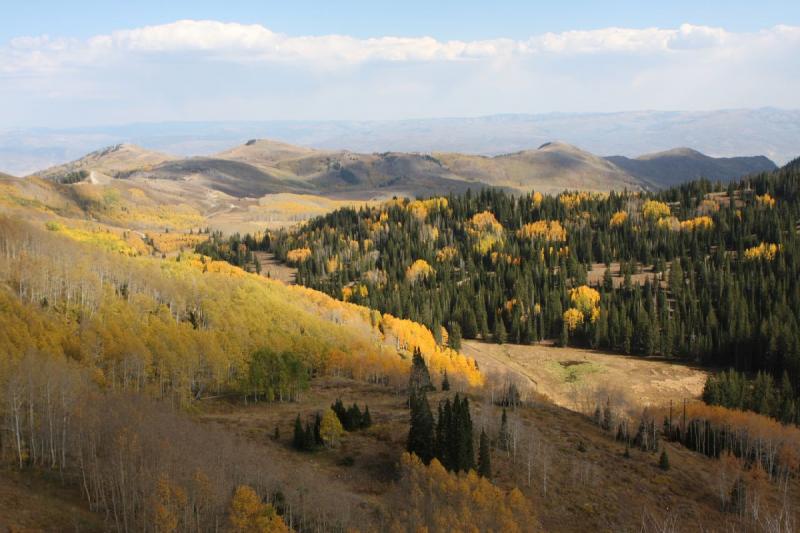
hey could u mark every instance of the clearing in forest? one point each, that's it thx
(580, 379)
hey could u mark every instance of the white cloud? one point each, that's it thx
(195, 69)
(240, 42)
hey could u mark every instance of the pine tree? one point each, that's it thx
(298, 442)
(454, 335)
(419, 379)
(484, 457)
(317, 425)
(420, 434)
(445, 382)
(366, 419)
(499, 330)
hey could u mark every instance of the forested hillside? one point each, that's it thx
(103, 349)
(702, 272)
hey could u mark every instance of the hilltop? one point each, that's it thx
(110, 161)
(673, 167)
(261, 167)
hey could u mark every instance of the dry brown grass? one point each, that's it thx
(29, 502)
(579, 379)
(598, 489)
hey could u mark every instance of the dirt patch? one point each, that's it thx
(274, 269)
(598, 270)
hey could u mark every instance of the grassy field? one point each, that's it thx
(579, 379)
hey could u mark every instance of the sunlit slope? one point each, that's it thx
(188, 324)
(110, 161)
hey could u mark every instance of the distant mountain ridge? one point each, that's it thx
(774, 133)
(672, 167)
(260, 167)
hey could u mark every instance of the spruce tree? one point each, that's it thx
(419, 379)
(366, 419)
(499, 330)
(298, 441)
(317, 425)
(445, 382)
(484, 457)
(420, 435)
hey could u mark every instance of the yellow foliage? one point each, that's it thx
(419, 269)
(175, 241)
(332, 264)
(463, 502)
(419, 208)
(701, 222)
(765, 200)
(573, 318)
(127, 244)
(249, 515)
(485, 221)
(487, 231)
(331, 428)
(348, 292)
(670, 223)
(618, 219)
(537, 199)
(448, 253)
(408, 335)
(549, 230)
(766, 251)
(654, 210)
(572, 200)
(584, 298)
(298, 255)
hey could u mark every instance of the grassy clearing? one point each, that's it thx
(578, 379)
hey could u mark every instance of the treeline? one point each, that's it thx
(700, 271)
(761, 394)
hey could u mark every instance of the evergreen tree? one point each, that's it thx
(366, 419)
(317, 425)
(500, 336)
(419, 379)
(420, 434)
(298, 441)
(445, 382)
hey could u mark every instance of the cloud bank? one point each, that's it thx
(202, 69)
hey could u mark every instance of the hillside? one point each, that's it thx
(110, 161)
(552, 168)
(261, 167)
(673, 167)
(199, 374)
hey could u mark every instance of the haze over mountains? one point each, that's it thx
(774, 133)
(260, 167)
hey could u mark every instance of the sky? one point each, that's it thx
(84, 63)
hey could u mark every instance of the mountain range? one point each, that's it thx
(772, 132)
(259, 167)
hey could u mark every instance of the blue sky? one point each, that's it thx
(86, 63)
(443, 19)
